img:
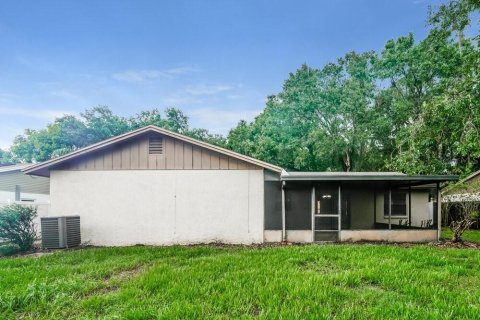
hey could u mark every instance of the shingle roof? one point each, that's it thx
(14, 167)
(470, 177)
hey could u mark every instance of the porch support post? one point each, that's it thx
(390, 208)
(409, 206)
(313, 213)
(439, 212)
(375, 207)
(284, 234)
(339, 209)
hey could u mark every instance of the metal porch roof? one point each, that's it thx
(364, 176)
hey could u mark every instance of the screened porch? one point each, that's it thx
(361, 206)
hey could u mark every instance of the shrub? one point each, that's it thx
(17, 225)
(465, 219)
(8, 249)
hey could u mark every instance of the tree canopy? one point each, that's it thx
(414, 107)
(69, 132)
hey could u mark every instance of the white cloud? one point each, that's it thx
(177, 101)
(234, 96)
(182, 70)
(5, 143)
(11, 117)
(218, 120)
(38, 113)
(145, 75)
(8, 133)
(136, 76)
(198, 94)
(203, 89)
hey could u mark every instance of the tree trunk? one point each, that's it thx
(346, 160)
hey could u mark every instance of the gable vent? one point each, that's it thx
(155, 145)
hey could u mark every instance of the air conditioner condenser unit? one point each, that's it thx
(60, 232)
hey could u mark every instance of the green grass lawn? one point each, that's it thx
(290, 282)
(470, 235)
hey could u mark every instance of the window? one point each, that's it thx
(155, 145)
(399, 204)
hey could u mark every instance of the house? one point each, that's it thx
(473, 178)
(468, 189)
(16, 186)
(154, 186)
(461, 198)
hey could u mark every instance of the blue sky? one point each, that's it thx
(215, 60)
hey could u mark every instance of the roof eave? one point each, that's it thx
(470, 177)
(371, 178)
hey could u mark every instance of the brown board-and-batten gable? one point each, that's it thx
(151, 148)
(138, 154)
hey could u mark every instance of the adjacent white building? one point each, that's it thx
(16, 186)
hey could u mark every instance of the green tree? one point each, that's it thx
(146, 118)
(322, 120)
(454, 16)
(240, 138)
(6, 157)
(204, 135)
(444, 136)
(176, 120)
(65, 134)
(69, 133)
(102, 124)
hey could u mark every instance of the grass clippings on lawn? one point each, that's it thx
(205, 282)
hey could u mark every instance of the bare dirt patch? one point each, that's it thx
(112, 282)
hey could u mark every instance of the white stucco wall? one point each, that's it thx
(127, 207)
(389, 235)
(305, 236)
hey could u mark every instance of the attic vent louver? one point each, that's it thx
(155, 145)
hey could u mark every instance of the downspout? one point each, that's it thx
(284, 234)
(339, 211)
(439, 212)
(313, 213)
(409, 206)
(389, 208)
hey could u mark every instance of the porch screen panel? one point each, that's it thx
(273, 205)
(298, 212)
(326, 223)
(326, 200)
